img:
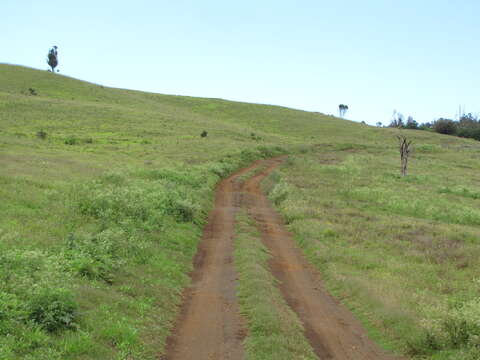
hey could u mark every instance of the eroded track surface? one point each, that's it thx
(210, 327)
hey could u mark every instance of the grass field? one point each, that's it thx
(402, 253)
(104, 193)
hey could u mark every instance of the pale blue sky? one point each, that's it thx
(419, 57)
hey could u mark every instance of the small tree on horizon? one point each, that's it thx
(52, 58)
(342, 110)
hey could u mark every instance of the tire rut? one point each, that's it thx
(209, 326)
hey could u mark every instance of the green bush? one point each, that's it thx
(445, 126)
(183, 210)
(71, 140)
(53, 309)
(42, 134)
(255, 137)
(457, 328)
(98, 256)
(35, 298)
(10, 308)
(279, 192)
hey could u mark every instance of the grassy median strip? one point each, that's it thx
(274, 331)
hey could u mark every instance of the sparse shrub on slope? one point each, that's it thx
(42, 134)
(457, 327)
(53, 309)
(71, 140)
(137, 202)
(279, 192)
(97, 256)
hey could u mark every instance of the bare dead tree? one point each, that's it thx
(404, 147)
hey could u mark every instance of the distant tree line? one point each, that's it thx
(467, 126)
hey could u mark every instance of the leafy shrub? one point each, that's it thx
(220, 169)
(279, 192)
(456, 328)
(183, 210)
(35, 295)
(53, 309)
(204, 134)
(268, 152)
(457, 331)
(473, 133)
(42, 134)
(255, 137)
(10, 308)
(97, 256)
(71, 140)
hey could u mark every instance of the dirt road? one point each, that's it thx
(210, 326)
(331, 329)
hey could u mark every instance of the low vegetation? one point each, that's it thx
(104, 193)
(467, 126)
(131, 236)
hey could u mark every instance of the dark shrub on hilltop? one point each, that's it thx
(445, 126)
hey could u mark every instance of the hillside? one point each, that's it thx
(101, 215)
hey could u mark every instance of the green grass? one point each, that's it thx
(104, 193)
(402, 253)
(104, 211)
(275, 332)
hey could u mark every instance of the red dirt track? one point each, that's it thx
(210, 327)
